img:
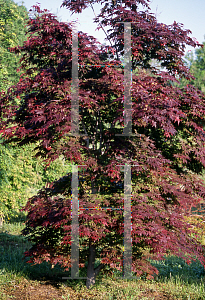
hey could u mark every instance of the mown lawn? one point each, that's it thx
(21, 281)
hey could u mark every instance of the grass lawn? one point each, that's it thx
(21, 281)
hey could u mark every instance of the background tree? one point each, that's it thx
(166, 152)
(12, 33)
(22, 175)
(196, 63)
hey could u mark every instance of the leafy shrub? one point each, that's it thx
(198, 224)
(22, 175)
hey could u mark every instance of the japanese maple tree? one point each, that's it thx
(166, 151)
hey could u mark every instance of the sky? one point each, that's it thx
(188, 12)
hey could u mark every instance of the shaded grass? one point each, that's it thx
(176, 279)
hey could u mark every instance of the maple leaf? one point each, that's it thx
(177, 120)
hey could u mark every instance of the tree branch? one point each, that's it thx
(105, 32)
(98, 269)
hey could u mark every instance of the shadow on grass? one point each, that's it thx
(13, 245)
(175, 267)
(12, 261)
(12, 248)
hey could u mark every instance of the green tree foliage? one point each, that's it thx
(12, 33)
(22, 175)
(195, 61)
(197, 67)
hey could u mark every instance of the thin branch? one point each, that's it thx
(98, 269)
(105, 32)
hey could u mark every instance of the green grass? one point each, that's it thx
(176, 279)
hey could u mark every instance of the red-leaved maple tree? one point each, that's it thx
(166, 151)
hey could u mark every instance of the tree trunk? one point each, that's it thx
(91, 272)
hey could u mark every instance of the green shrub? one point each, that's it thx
(22, 175)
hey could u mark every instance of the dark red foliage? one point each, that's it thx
(166, 153)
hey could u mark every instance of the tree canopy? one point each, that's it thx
(165, 152)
